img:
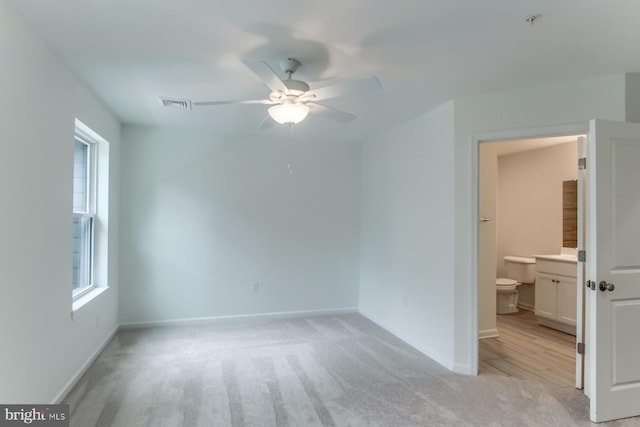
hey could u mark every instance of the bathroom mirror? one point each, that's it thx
(570, 214)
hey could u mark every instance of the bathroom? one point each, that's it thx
(521, 214)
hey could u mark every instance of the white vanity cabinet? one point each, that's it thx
(556, 291)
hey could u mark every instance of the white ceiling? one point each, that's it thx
(425, 52)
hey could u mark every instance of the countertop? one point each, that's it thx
(558, 257)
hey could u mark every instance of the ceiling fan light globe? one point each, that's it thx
(289, 113)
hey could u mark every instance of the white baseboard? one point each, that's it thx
(488, 333)
(464, 369)
(216, 319)
(567, 329)
(429, 352)
(76, 377)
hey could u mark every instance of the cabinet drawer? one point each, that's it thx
(556, 267)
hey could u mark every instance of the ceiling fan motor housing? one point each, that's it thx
(296, 88)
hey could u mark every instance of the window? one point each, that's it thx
(90, 214)
(84, 214)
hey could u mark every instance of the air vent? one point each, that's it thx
(179, 103)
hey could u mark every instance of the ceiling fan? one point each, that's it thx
(291, 100)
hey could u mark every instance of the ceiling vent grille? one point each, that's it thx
(180, 103)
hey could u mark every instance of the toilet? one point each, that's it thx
(518, 270)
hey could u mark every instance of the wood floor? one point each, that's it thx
(528, 351)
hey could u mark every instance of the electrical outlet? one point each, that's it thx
(255, 287)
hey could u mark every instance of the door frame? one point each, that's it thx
(475, 140)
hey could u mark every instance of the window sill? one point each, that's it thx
(86, 299)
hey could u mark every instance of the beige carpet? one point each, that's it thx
(312, 371)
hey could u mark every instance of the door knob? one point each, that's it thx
(604, 286)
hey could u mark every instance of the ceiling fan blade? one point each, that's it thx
(331, 113)
(252, 101)
(340, 89)
(267, 123)
(267, 75)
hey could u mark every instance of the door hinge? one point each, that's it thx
(580, 348)
(582, 163)
(582, 256)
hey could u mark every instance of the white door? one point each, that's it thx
(613, 263)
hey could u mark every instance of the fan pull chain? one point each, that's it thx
(291, 152)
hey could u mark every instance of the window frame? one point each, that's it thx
(89, 212)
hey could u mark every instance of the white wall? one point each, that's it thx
(530, 204)
(418, 186)
(407, 233)
(632, 81)
(498, 113)
(42, 348)
(206, 215)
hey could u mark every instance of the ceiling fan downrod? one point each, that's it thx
(290, 66)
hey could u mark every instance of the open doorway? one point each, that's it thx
(521, 215)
